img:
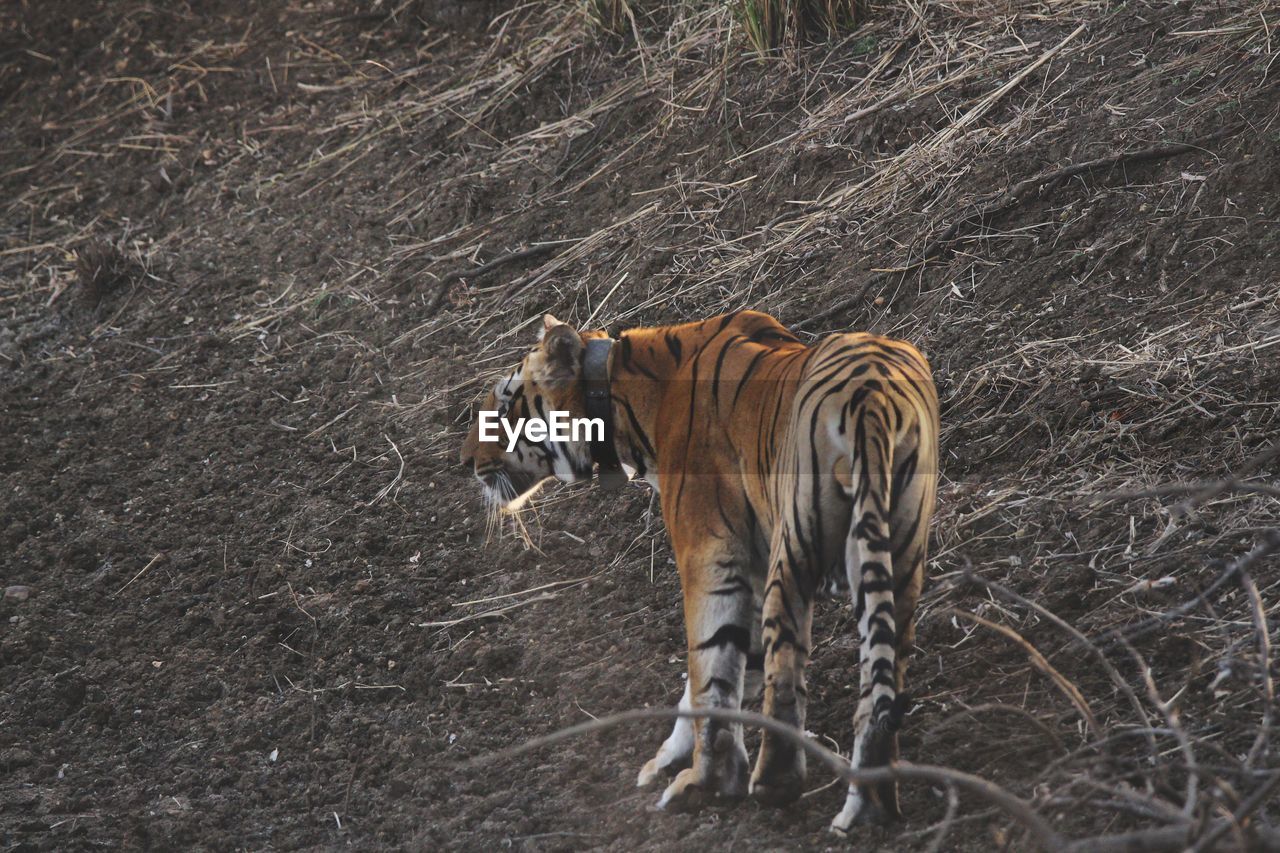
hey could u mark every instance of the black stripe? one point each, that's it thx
(773, 334)
(728, 635)
(906, 469)
(903, 582)
(693, 408)
(908, 541)
(753, 527)
(715, 374)
(637, 429)
(815, 512)
(751, 366)
(787, 637)
(674, 345)
(800, 573)
(629, 362)
(782, 593)
(733, 585)
(720, 684)
(729, 523)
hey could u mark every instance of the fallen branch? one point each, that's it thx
(1116, 678)
(1245, 470)
(544, 586)
(948, 819)
(442, 289)
(1041, 663)
(1213, 489)
(1170, 715)
(1015, 806)
(1265, 838)
(1267, 545)
(1203, 491)
(985, 104)
(1258, 609)
(1268, 837)
(973, 712)
(1175, 837)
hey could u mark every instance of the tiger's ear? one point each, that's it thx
(549, 322)
(561, 355)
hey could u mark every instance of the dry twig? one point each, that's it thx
(442, 288)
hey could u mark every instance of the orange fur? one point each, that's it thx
(784, 470)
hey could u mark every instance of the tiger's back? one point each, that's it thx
(801, 418)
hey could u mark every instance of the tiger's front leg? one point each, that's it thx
(676, 751)
(787, 628)
(718, 614)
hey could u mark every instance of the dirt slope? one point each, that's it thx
(262, 593)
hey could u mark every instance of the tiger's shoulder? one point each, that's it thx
(756, 326)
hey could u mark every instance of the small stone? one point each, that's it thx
(17, 593)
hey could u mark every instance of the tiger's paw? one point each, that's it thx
(859, 811)
(690, 791)
(855, 812)
(673, 756)
(779, 775)
(660, 767)
(779, 792)
(724, 776)
(687, 792)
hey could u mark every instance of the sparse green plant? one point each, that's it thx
(863, 46)
(612, 16)
(769, 23)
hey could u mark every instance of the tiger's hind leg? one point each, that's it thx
(877, 745)
(787, 627)
(886, 576)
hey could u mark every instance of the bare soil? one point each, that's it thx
(262, 592)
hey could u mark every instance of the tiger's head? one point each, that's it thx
(546, 380)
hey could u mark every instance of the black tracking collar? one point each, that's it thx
(595, 388)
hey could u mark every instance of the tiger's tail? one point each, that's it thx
(869, 563)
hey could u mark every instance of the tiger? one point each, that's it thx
(784, 471)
